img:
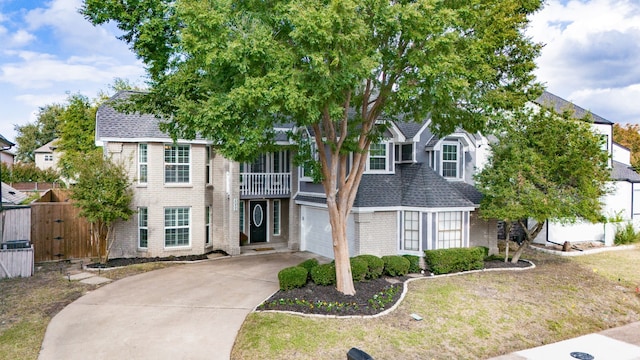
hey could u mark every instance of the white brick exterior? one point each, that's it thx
(376, 233)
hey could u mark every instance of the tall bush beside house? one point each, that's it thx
(414, 263)
(445, 261)
(103, 194)
(626, 235)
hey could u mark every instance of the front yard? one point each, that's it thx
(472, 316)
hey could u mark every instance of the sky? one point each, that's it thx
(591, 56)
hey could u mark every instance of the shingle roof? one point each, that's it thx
(624, 172)
(468, 191)
(48, 147)
(4, 142)
(559, 104)
(11, 195)
(111, 123)
(409, 128)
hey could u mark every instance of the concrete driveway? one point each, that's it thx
(192, 311)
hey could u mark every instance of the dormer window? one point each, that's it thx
(404, 153)
(450, 163)
(378, 160)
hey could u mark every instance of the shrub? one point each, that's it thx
(292, 277)
(395, 265)
(359, 268)
(414, 263)
(324, 274)
(309, 264)
(446, 261)
(626, 235)
(375, 266)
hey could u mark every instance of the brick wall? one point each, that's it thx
(376, 233)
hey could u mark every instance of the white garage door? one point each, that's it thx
(316, 232)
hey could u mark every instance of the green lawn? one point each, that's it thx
(472, 316)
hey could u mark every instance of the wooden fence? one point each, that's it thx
(16, 223)
(16, 262)
(57, 230)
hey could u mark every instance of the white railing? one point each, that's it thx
(265, 184)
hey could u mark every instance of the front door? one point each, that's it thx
(258, 221)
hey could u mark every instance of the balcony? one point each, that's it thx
(265, 184)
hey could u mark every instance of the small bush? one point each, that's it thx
(445, 261)
(324, 274)
(359, 268)
(626, 235)
(395, 265)
(292, 277)
(414, 263)
(309, 264)
(375, 265)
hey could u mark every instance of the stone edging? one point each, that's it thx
(405, 289)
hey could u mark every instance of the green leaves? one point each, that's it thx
(545, 166)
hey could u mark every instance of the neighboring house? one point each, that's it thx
(46, 156)
(7, 157)
(623, 203)
(11, 196)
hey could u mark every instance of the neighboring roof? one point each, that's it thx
(409, 128)
(559, 104)
(113, 124)
(624, 172)
(48, 147)
(11, 195)
(5, 143)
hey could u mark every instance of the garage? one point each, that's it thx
(315, 231)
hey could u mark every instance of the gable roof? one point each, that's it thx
(11, 195)
(559, 104)
(5, 143)
(113, 124)
(47, 148)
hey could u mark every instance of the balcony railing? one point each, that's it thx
(265, 184)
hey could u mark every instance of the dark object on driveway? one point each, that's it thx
(357, 354)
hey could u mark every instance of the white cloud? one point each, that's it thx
(21, 37)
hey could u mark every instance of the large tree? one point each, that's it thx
(31, 136)
(77, 134)
(545, 166)
(231, 70)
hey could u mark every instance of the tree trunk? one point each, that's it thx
(529, 236)
(344, 279)
(507, 232)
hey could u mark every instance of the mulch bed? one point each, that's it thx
(117, 262)
(372, 296)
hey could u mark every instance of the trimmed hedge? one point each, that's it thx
(324, 274)
(445, 261)
(375, 265)
(359, 268)
(395, 265)
(309, 265)
(414, 263)
(292, 277)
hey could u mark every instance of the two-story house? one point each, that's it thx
(47, 156)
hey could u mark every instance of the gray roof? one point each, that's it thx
(11, 195)
(559, 104)
(468, 191)
(111, 123)
(409, 128)
(624, 172)
(4, 142)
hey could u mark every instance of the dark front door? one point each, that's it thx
(258, 221)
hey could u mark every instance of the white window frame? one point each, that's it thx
(177, 148)
(418, 231)
(207, 224)
(277, 215)
(208, 167)
(143, 158)
(398, 153)
(314, 150)
(457, 146)
(385, 157)
(445, 229)
(143, 225)
(177, 226)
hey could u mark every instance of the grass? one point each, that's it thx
(28, 304)
(466, 317)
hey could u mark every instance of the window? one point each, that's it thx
(306, 174)
(207, 225)
(281, 161)
(176, 163)
(377, 157)
(208, 175)
(404, 153)
(411, 231)
(449, 229)
(241, 216)
(450, 160)
(276, 217)
(176, 227)
(48, 157)
(143, 230)
(142, 163)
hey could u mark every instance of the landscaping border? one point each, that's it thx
(583, 252)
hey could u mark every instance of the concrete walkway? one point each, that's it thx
(193, 311)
